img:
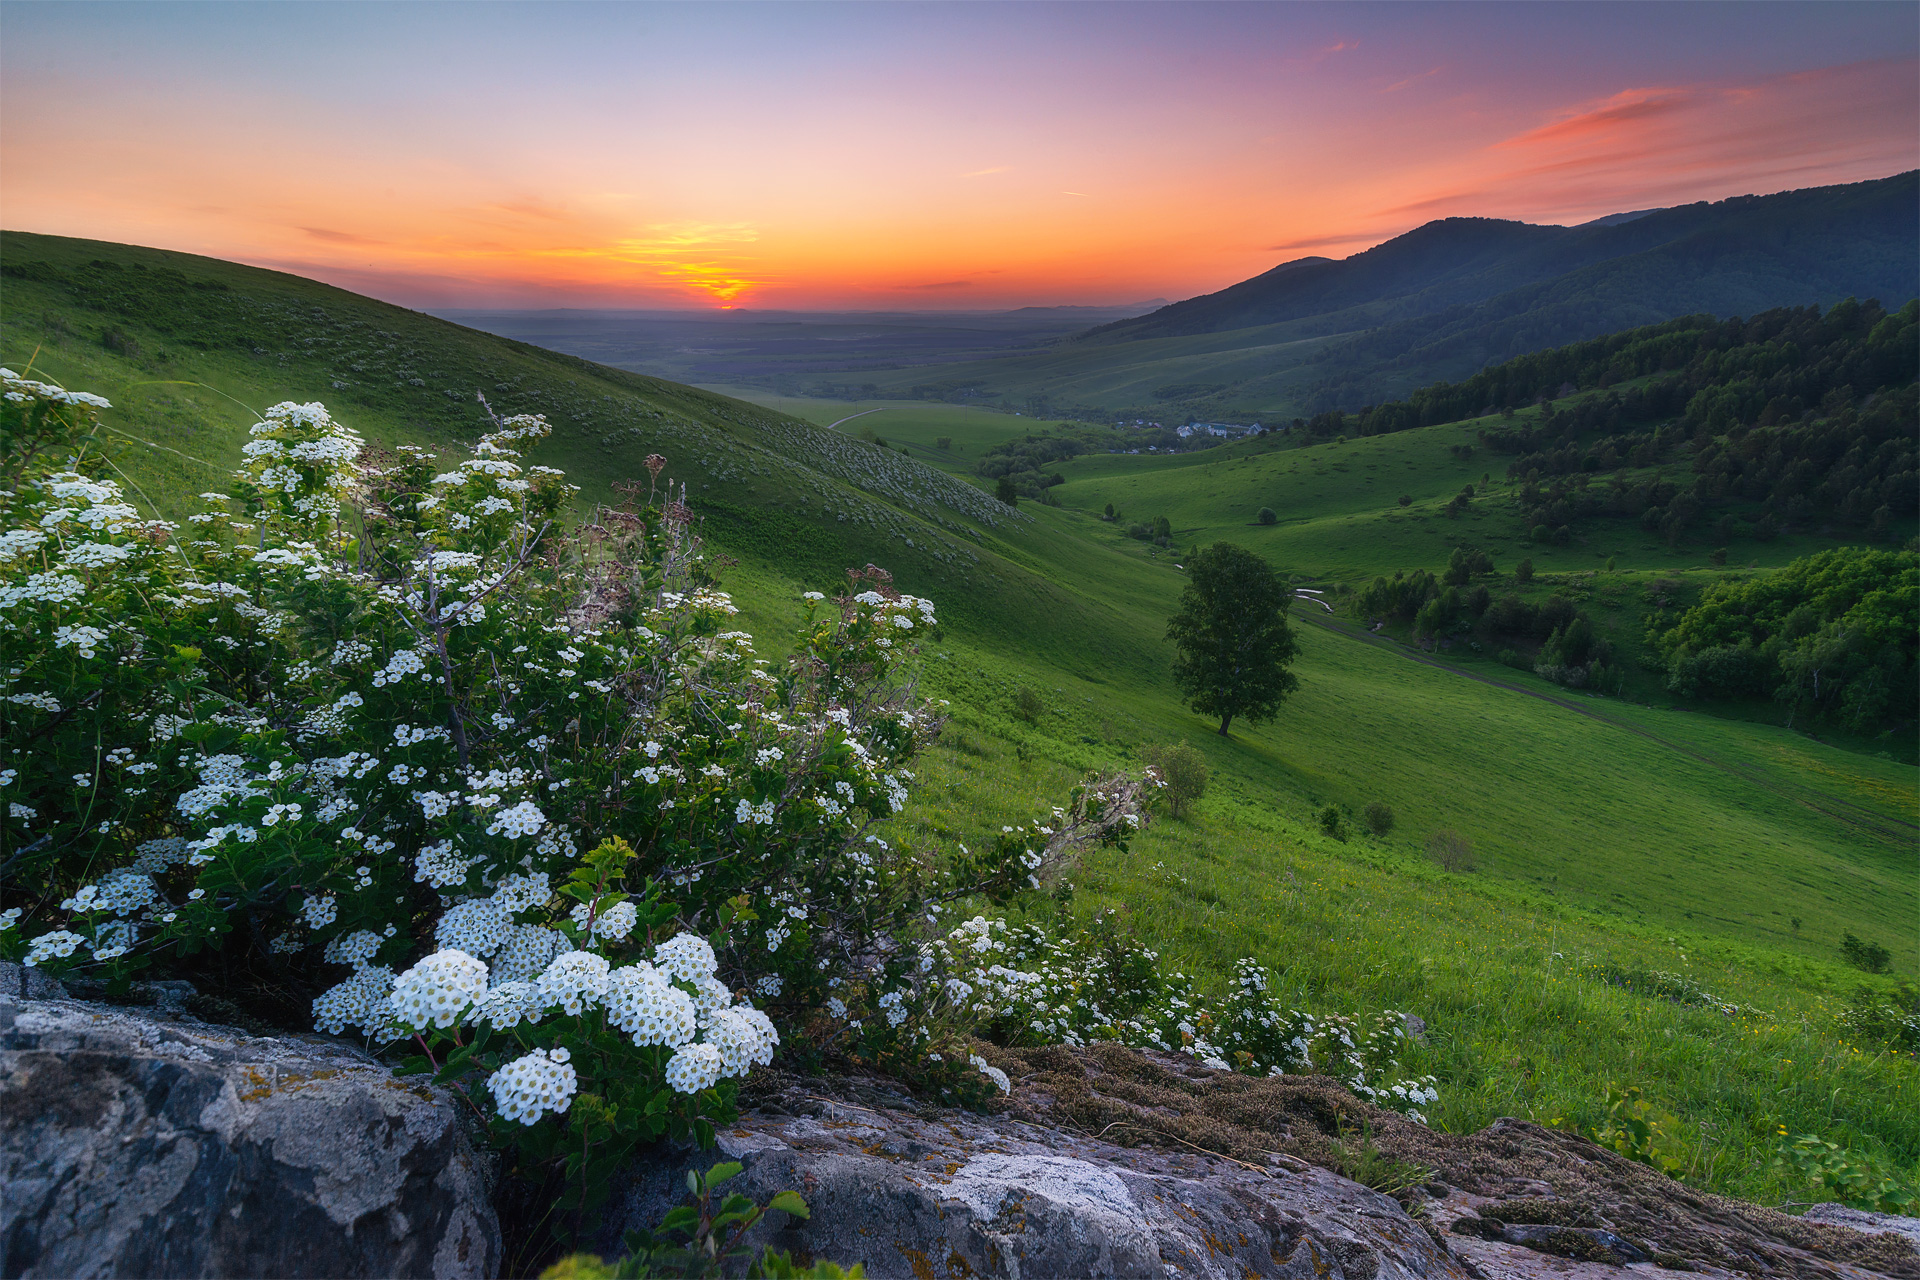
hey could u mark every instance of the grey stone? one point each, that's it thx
(23, 983)
(138, 1143)
(912, 1193)
(1874, 1224)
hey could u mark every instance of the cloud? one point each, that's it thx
(338, 237)
(981, 173)
(938, 284)
(1628, 108)
(1398, 86)
(1083, 195)
(530, 208)
(1315, 242)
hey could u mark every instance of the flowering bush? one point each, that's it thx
(353, 723)
(1028, 987)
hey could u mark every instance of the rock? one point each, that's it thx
(138, 1143)
(915, 1193)
(1874, 1224)
(21, 983)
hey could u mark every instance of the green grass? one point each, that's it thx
(1629, 835)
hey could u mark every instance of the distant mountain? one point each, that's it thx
(1748, 252)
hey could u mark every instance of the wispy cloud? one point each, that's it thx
(1316, 242)
(331, 236)
(1083, 195)
(981, 173)
(1624, 110)
(938, 284)
(1397, 86)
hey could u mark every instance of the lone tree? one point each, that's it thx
(1234, 640)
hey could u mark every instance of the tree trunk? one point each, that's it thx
(1224, 722)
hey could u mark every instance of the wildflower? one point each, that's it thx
(575, 981)
(685, 955)
(694, 1067)
(438, 989)
(643, 1002)
(530, 1087)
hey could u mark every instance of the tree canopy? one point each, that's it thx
(1235, 644)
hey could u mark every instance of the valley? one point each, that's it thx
(1613, 836)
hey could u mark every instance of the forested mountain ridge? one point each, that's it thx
(1459, 262)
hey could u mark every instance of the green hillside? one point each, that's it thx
(1613, 838)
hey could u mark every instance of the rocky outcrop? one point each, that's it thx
(1109, 1162)
(916, 1194)
(140, 1142)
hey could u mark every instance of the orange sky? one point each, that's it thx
(906, 156)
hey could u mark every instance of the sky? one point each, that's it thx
(907, 155)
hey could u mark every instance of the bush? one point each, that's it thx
(943, 442)
(1406, 499)
(1005, 491)
(1028, 706)
(1183, 775)
(1893, 1021)
(1523, 572)
(1267, 516)
(1453, 851)
(1378, 817)
(336, 752)
(1332, 824)
(1870, 956)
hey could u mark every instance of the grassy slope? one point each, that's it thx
(1597, 843)
(1582, 806)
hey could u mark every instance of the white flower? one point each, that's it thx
(575, 981)
(360, 1001)
(437, 990)
(687, 956)
(614, 922)
(524, 819)
(744, 1037)
(57, 945)
(526, 953)
(527, 1088)
(516, 893)
(356, 948)
(644, 1003)
(478, 927)
(507, 1004)
(319, 912)
(694, 1067)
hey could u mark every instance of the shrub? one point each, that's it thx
(1183, 775)
(335, 751)
(1028, 706)
(1870, 956)
(1406, 499)
(1005, 491)
(1331, 823)
(1378, 817)
(1523, 572)
(1891, 1020)
(1267, 516)
(943, 442)
(1453, 851)
(704, 1239)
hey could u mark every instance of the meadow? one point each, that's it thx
(1607, 831)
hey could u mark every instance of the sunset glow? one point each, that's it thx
(906, 156)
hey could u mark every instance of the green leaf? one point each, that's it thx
(789, 1202)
